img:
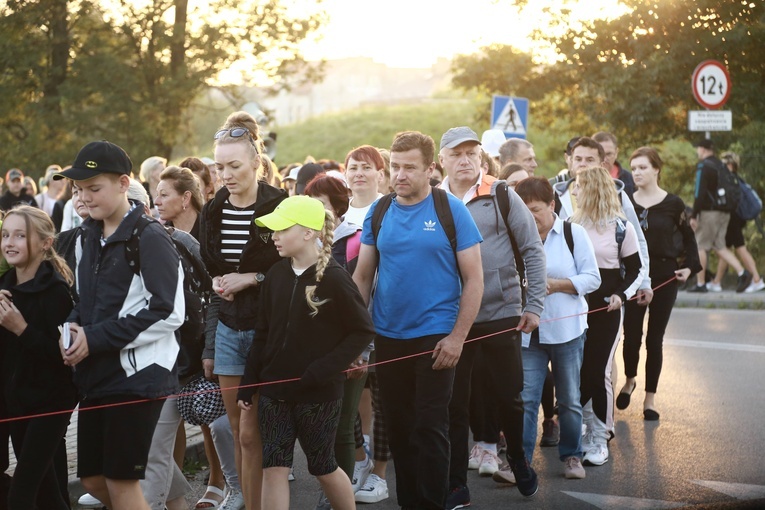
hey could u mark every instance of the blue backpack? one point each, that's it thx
(750, 204)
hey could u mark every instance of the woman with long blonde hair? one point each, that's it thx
(599, 211)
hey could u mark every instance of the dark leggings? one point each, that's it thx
(599, 349)
(658, 317)
(36, 480)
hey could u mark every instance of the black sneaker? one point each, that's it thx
(459, 497)
(698, 288)
(525, 476)
(550, 433)
(744, 281)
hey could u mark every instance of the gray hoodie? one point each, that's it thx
(501, 286)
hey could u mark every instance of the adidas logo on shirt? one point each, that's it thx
(430, 226)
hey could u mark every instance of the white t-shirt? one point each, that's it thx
(356, 215)
(45, 202)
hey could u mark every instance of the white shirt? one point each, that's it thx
(470, 193)
(356, 215)
(582, 270)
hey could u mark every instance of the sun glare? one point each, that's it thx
(415, 33)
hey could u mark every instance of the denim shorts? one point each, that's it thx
(231, 349)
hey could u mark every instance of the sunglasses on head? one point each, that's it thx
(237, 132)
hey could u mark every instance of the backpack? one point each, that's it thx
(750, 204)
(728, 189)
(569, 236)
(197, 287)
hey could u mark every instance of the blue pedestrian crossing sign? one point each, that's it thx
(510, 114)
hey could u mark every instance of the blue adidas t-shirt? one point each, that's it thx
(418, 285)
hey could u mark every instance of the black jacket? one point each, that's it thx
(290, 343)
(130, 320)
(35, 378)
(8, 201)
(258, 256)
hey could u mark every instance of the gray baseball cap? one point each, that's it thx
(458, 135)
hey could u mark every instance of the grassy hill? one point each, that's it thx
(334, 135)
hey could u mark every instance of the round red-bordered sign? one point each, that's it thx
(711, 84)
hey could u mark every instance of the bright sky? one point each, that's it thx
(414, 33)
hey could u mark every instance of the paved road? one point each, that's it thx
(707, 449)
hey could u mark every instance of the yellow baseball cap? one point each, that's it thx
(295, 210)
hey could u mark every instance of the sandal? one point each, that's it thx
(206, 503)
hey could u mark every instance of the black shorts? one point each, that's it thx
(734, 236)
(281, 423)
(115, 441)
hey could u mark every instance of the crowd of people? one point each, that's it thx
(375, 309)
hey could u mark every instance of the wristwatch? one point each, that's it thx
(259, 277)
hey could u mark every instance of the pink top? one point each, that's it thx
(606, 246)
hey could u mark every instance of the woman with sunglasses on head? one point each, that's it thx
(238, 253)
(673, 252)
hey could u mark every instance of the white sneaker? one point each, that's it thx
(714, 287)
(234, 500)
(291, 477)
(374, 490)
(361, 471)
(755, 286)
(476, 454)
(489, 463)
(597, 456)
(587, 442)
(88, 501)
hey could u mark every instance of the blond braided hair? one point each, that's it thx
(326, 235)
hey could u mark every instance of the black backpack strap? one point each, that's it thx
(445, 217)
(377, 217)
(569, 235)
(503, 202)
(132, 251)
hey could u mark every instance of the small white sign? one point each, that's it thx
(710, 120)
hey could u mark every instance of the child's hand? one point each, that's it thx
(10, 317)
(78, 350)
(244, 406)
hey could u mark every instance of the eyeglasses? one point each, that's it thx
(644, 219)
(236, 133)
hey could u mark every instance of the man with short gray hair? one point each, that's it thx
(520, 151)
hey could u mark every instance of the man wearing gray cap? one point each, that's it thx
(419, 307)
(510, 237)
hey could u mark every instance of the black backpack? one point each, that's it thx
(728, 189)
(197, 287)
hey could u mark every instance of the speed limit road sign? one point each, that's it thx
(711, 84)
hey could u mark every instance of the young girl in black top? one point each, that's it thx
(673, 252)
(312, 325)
(34, 302)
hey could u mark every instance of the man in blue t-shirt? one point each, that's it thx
(420, 306)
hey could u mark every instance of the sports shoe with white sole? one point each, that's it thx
(574, 469)
(88, 501)
(504, 475)
(489, 463)
(361, 471)
(374, 490)
(755, 286)
(597, 455)
(476, 454)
